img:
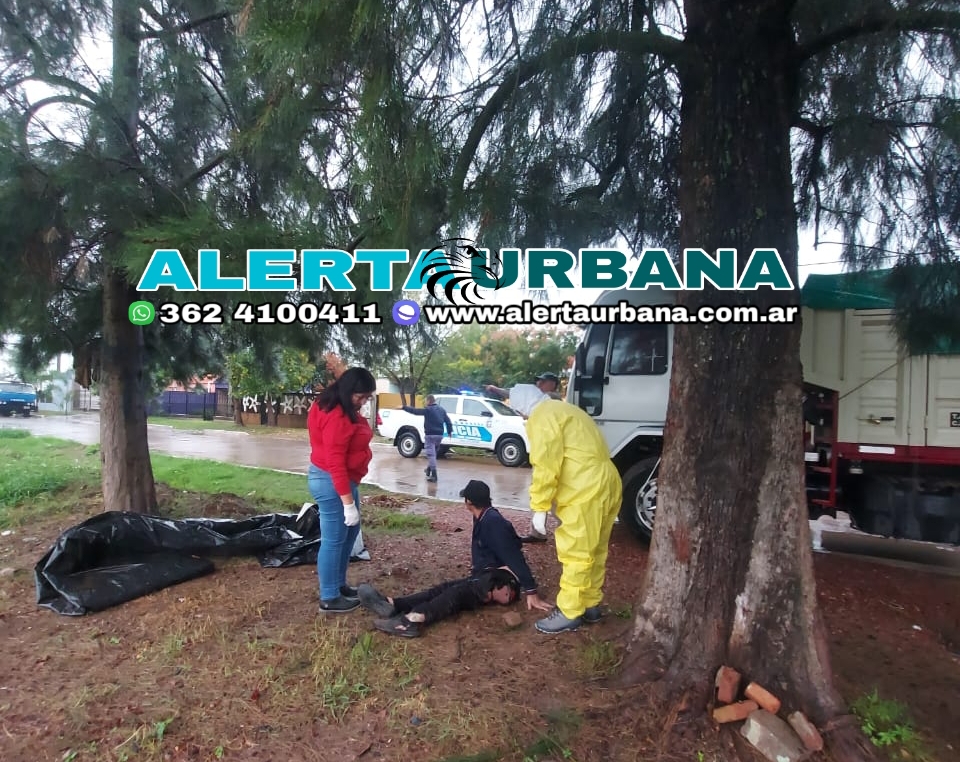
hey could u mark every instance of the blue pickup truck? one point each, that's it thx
(17, 397)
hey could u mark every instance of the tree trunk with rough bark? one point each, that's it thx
(127, 475)
(730, 575)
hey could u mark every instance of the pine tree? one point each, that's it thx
(704, 124)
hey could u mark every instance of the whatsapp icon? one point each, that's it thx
(141, 313)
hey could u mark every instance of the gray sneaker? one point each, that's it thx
(373, 601)
(593, 615)
(557, 622)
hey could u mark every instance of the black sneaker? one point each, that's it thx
(593, 615)
(373, 601)
(339, 605)
(399, 626)
(349, 592)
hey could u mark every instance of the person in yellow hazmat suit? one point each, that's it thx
(571, 467)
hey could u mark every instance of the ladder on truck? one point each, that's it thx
(820, 450)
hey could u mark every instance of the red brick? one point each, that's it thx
(763, 697)
(806, 730)
(734, 712)
(727, 684)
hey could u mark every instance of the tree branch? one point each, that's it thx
(43, 103)
(205, 169)
(186, 26)
(54, 80)
(635, 43)
(945, 22)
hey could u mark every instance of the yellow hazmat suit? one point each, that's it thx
(572, 466)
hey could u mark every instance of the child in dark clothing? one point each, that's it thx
(499, 574)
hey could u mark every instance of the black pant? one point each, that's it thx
(452, 597)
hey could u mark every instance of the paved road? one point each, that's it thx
(509, 486)
(290, 452)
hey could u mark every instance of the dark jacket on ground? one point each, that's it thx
(435, 418)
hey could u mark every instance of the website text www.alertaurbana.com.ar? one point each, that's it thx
(527, 313)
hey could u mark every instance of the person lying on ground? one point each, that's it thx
(500, 573)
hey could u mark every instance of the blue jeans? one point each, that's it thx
(431, 443)
(336, 538)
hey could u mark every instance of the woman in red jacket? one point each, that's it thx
(339, 456)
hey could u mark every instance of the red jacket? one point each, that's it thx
(339, 447)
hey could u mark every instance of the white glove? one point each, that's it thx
(351, 516)
(540, 522)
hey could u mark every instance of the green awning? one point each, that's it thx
(847, 291)
(867, 290)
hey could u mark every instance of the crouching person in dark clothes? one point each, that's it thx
(499, 574)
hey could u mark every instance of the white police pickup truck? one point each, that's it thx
(477, 422)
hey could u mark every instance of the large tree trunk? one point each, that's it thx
(127, 476)
(730, 575)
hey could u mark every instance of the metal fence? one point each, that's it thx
(203, 405)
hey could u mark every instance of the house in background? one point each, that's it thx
(208, 397)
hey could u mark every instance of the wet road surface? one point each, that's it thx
(390, 471)
(282, 452)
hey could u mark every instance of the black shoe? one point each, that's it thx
(400, 626)
(373, 601)
(350, 593)
(427, 470)
(593, 615)
(339, 605)
(432, 477)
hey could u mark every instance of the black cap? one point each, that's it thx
(548, 376)
(477, 492)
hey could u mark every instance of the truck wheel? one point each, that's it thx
(409, 444)
(443, 451)
(640, 497)
(511, 451)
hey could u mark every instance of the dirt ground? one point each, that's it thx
(239, 666)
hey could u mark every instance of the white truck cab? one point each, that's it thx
(621, 377)
(881, 426)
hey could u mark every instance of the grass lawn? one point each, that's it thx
(221, 424)
(44, 476)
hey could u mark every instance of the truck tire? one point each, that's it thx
(408, 443)
(511, 451)
(640, 497)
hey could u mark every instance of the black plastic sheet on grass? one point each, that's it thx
(118, 556)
